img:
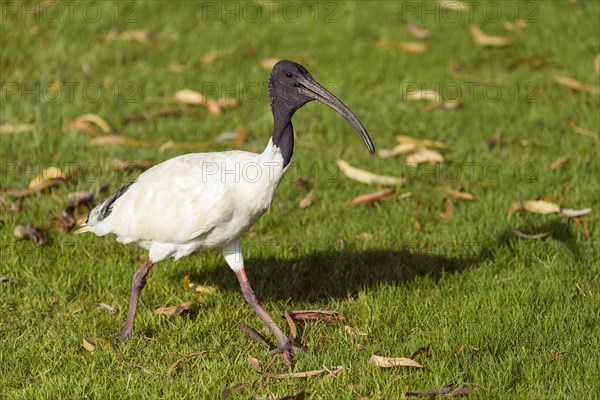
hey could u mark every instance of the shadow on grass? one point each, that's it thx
(338, 273)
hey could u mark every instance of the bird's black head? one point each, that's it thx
(291, 86)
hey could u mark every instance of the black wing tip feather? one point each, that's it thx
(108, 204)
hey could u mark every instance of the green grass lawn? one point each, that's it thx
(401, 274)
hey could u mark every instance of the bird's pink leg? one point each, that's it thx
(137, 284)
(285, 344)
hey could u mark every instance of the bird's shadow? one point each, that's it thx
(339, 273)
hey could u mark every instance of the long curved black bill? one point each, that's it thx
(312, 89)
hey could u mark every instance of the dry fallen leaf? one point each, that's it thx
(403, 139)
(256, 365)
(363, 176)
(533, 236)
(30, 231)
(227, 392)
(423, 155)
(49, 174)
(196, 288)
(174, 365)
(485, 40)
(372, 197)
(9, 206)
(516, 26)
(116, 139)
(597, 64)
(456, 194)
(173, 311)
(269, 63)
(7, 128)
(444, 391)
(396, 151)
(139, 35)
(576, 85)
(453, 5)
(306, 201)
(90, 343)
(559, 162)
(417, 32)
(388, 362)
(190, 97)
(240, 137)
(570, 213)
(555, 357)
(407, 47)
(186, 145)
(533, 206)
(448, 211)
(108, 308)
(585, 132)
(97, 120)
(130, 165)
(324, 315)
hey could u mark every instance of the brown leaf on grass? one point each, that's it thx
(50, 174)
(227, 392)
(484, 40)
(16, 128)
(254, 335)
(581, 223)
(306, 201)
(108, 308)
(363, 176)
(291, 324)
(445, 391)
(116, 139)
(160, 112)
(456, 194)
(576, 85)
(416, 224)
(176, 68)
(30, 231)
(559, 162)
(19, 193)
(211, 57)
(388, 362)
(9, 206)
(597, 64)
(516, 26)
(404, 139)
(269, 63)
(190, 97)
(570, 213)
(256, 365)
(184, 145)
(396, 151)
(176, 363)
(533, 206)
(196, 288)
(138, 35)
(90, 343)
(459, 352)
(421, 350)
(423, 155)
(534, 236)
(407, 47)
(333, 373)
(173, 311)
(330, 317)
(453, 5)
(372, 197)
(417, 32)
(555, 357)
(96, 120)
(432, 96)
(448, 211)
(240, 137)
(585, 132)
(123, 165)
(77, 125)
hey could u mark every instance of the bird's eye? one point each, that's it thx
(289, 74)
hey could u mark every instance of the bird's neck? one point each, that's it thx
(283, 138)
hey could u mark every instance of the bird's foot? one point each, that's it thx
(287, 350)
(123, 335)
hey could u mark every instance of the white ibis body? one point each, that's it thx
(208, 200)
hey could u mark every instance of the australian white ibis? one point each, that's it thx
(208, 200)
